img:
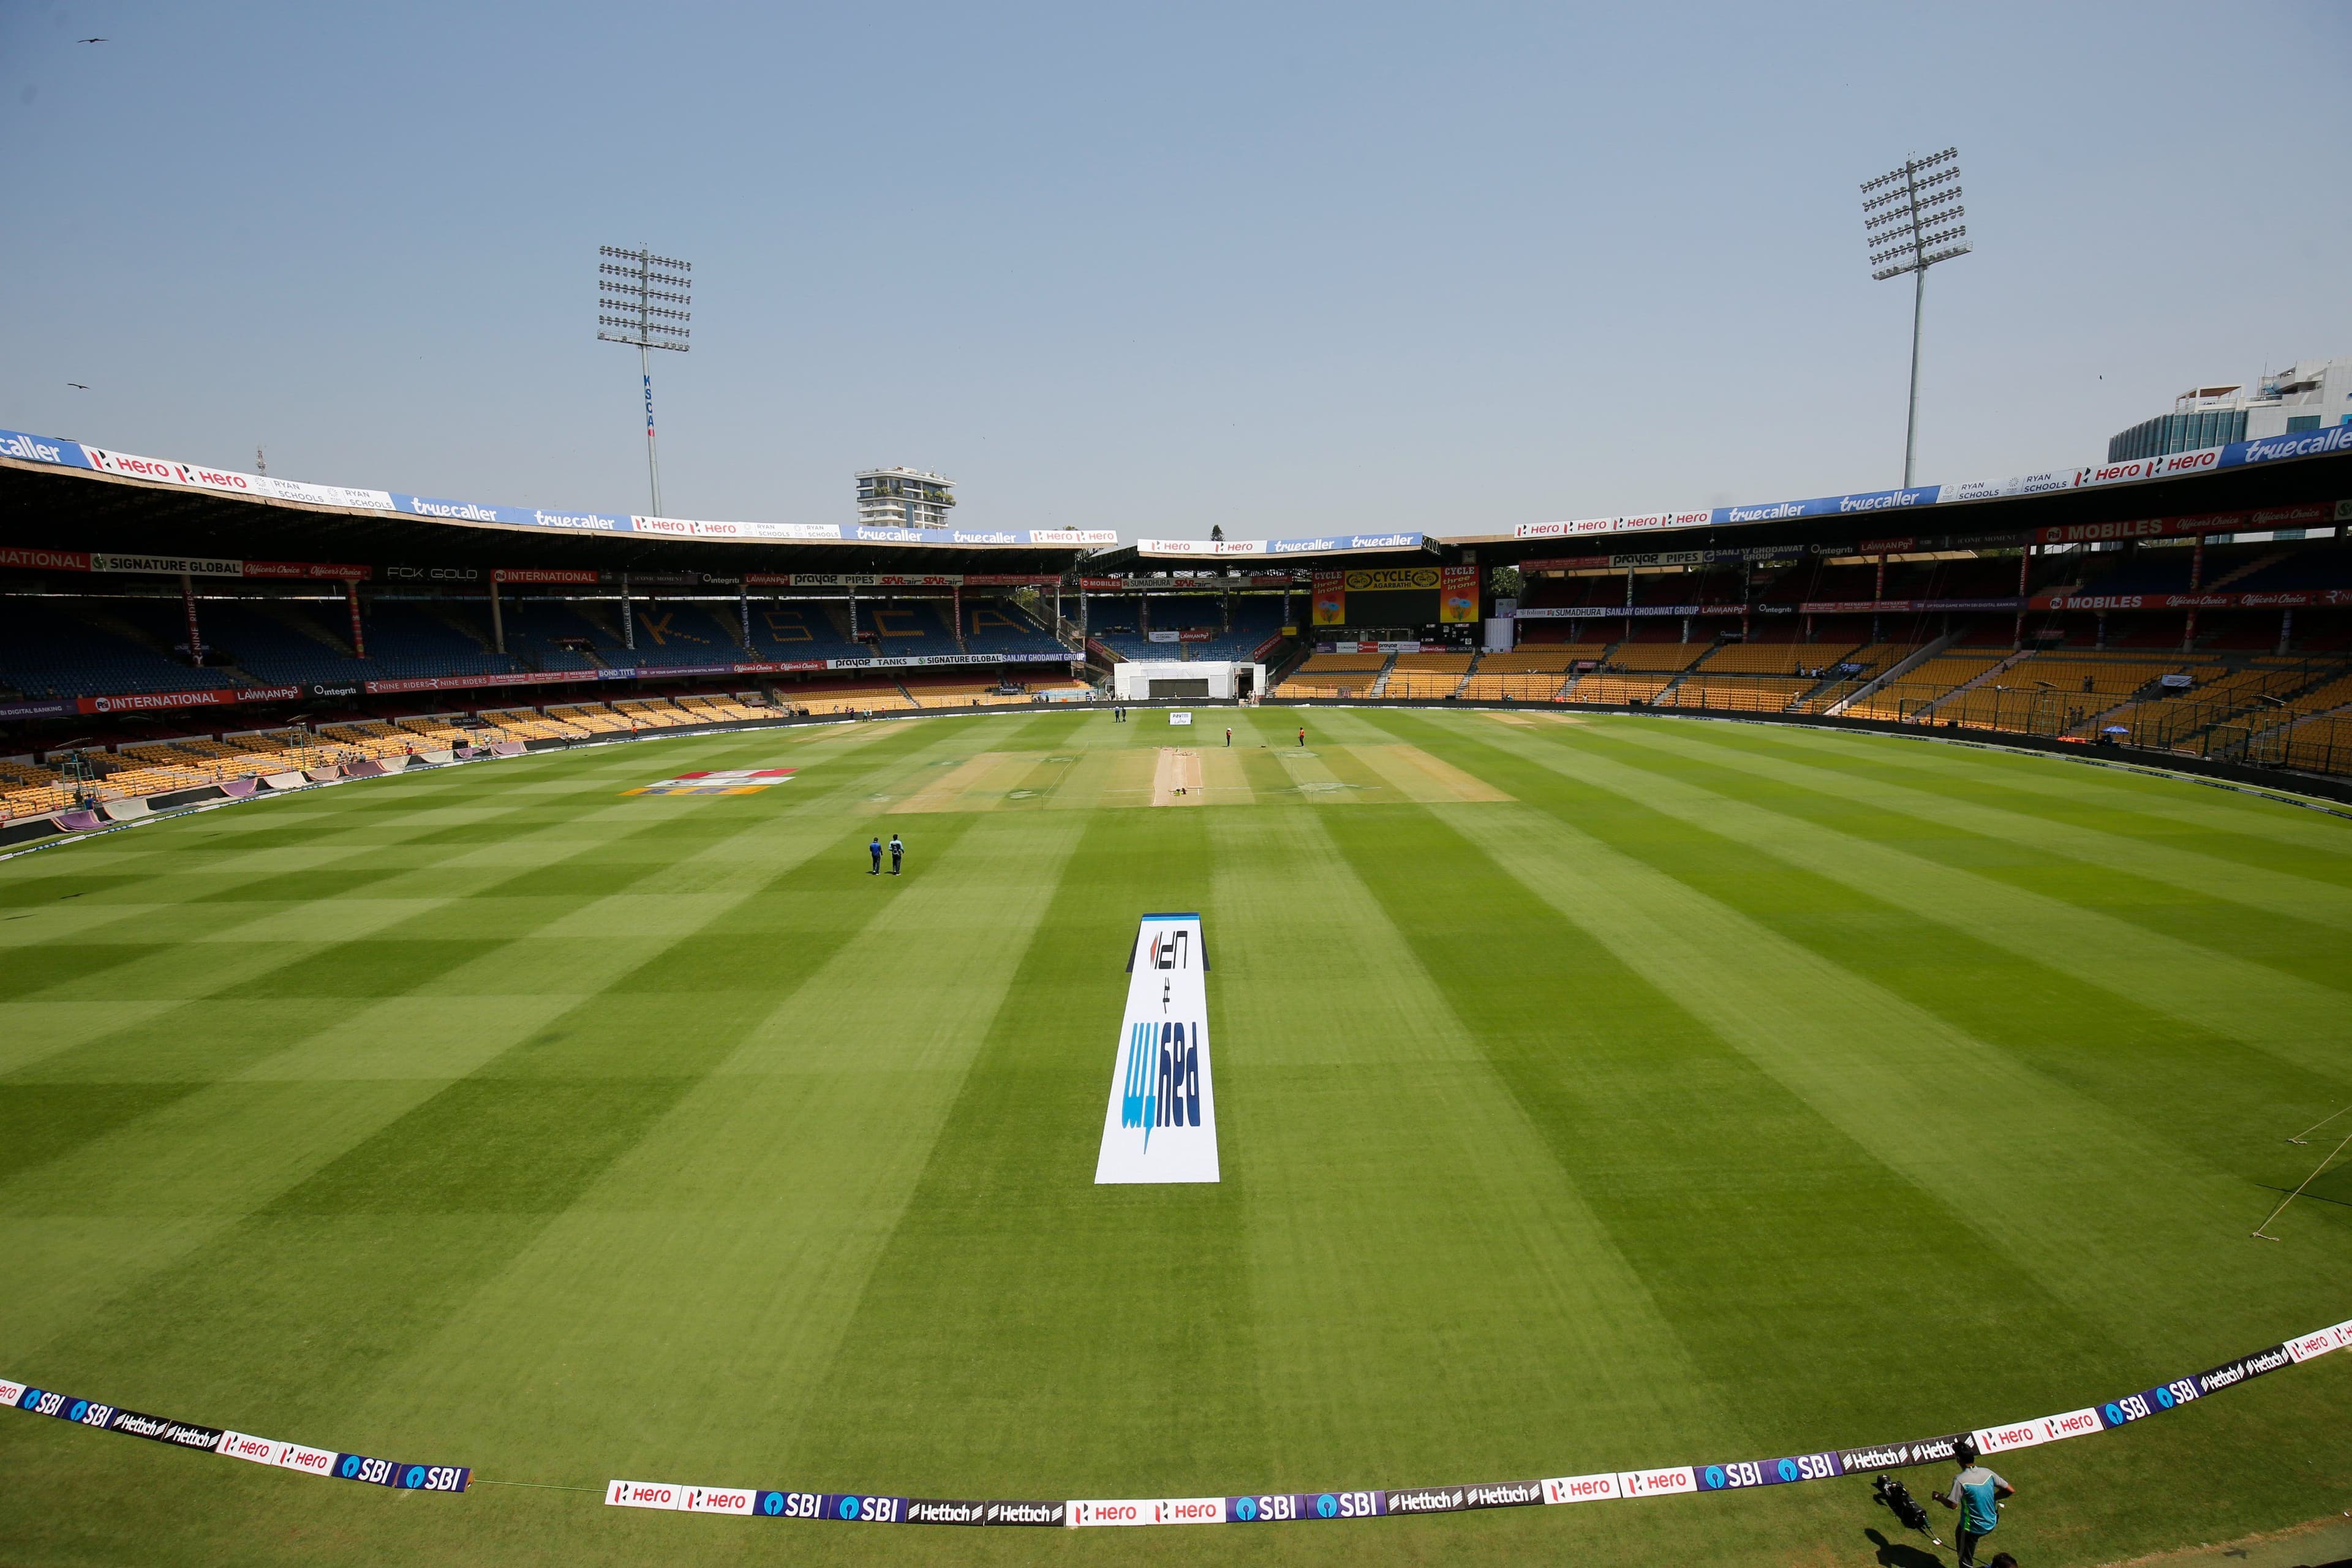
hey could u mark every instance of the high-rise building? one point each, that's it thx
(2303, 396)
(903, 498)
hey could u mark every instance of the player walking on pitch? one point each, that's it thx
(897, 854)
(877, 849)
(1978, 1493)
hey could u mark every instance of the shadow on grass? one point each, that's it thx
(1901, 1554)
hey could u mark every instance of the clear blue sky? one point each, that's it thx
(1285, 268)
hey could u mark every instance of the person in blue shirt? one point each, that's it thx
(875, 848)
(1978, 1493)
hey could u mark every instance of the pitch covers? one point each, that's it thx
(1161, 1122)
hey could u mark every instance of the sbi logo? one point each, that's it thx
(848, 1508)
(1326, 1506)
(349, 1467)
(772, 1502)
(415, 1477)
(1715, 1476)
(2164, 1397)
(1788, 1468)
(1246, 1510)
(2116, 1414)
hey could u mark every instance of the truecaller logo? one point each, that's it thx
(1246, 1510)
(1327, 1506)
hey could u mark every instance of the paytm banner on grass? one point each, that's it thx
(1161, 1123)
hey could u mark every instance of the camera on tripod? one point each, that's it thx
(1906, 1509)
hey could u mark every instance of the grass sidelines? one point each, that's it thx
(1710, 1090)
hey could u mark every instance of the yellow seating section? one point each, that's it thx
(1518, 686)
(1639, 658)
(1425, 684)
(1553, 656)
(1618, 688)
(1739, 694)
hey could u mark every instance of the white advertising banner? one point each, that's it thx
(1161, 1122)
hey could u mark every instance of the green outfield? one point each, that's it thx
(1590, 1095)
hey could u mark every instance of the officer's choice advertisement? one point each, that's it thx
(1161, 1123)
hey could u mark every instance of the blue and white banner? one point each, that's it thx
(1161, 1122)
(1325, 544)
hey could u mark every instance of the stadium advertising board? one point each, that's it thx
(1618, 612)
(2283, 599)
(293, 1457)
(1325, 544)
(1161, 1122)
(155, 701)
(2257, 520)
(1265, 1508)
(1330, 599)
(52, 451)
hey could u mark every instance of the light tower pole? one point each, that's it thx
(1910, 217)
(629, 283)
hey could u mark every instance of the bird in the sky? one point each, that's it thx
(89, 40)
(77, 386)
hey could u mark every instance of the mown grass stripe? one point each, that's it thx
(2281, 922)
(2197, 849)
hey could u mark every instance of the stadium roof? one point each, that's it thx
(64, 495)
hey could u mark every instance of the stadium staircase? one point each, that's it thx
(1477, 656)
(448, 616)
(2267, 558)
(1870, 687)
(1983, 679)
(107, 621)
(287, 616)
(1380, 681)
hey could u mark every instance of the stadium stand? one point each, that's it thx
(73, 647)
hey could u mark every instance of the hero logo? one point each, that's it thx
(640, 1494)
(1658, 1483)
(2073, 1424)
(257, 1450)
(1580, 1489)
(2000, 1439)
(1159, 1124)
(719, 1499)
(311, 1461)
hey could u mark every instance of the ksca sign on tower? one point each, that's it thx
(1161, 1122)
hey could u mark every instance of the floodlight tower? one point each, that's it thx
(1910, 216)
(629, 283)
